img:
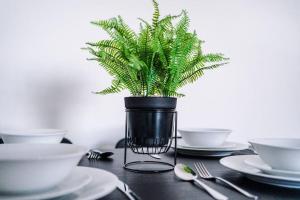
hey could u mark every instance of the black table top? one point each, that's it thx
(167, 187)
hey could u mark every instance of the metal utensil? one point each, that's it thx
(123, 187)
(156, 156)
(97, 154)
(204, 173)
(187, 174)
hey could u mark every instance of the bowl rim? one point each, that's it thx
(78, 151)
(34, 132)
(204, 130)
(256, 141)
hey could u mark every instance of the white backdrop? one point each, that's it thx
(45, 81)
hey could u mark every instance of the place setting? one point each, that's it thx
(35, 166)
(276, 162)
(273, 161)
(207, 142)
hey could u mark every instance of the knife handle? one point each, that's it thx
(135, 196)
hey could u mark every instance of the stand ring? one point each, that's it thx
(169, 166)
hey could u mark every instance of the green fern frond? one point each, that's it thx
(213, 57)
(163, 57)
(156, 14)
(144, 43)
(214, 66)
(190, 77)
(104, 44)
(159, 47)
(145, 22)
(183, 24)
(114, 88)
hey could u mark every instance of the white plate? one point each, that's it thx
(211, 152)
(102, 184)
(237, 163)
(225, 145)
(203, 153)
(45, 136)
(279, 153)
(75, 181)
(258, 163)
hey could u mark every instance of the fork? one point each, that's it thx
(204, 173)
(98, 155)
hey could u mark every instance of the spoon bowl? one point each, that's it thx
(186, 173)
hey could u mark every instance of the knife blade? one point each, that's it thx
(123, 187)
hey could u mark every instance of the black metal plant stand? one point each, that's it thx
(156, 147)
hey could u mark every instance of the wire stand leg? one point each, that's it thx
(175, 149)
(125, 147)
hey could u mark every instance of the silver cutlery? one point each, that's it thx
(97, 154)
(155, 156)
(127, 191)
(185, 173)
(205, 174)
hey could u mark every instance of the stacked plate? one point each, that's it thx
(35, 166)
(277, 162)
(207, 142)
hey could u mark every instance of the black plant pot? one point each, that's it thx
(150, 120)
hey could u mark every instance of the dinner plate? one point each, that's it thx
(203, 153)
(237, 163)
(75, 181)
(257, 162)
(225, 145)
(210, 152)
(102, 184)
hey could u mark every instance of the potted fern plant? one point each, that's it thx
(152, 64)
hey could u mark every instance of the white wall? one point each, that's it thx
(45, 80)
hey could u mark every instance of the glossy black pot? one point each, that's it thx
(150, 120)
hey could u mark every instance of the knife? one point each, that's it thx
(123, 187)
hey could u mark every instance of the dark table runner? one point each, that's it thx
(166, 186)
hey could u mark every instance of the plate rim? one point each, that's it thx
(52, 193)
(107, 191)
(269, 182)
(213, 154)
(268, 168)
(233, 144)
(224, 162)
(238, 147)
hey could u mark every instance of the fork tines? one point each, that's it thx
(93, 155)
(202, 171)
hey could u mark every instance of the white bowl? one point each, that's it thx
(280, 153)
(36, 167)
(204, 137)
(48, 136)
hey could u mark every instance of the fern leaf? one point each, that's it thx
(183, 24)
(213, 57)
(214, 66)
(114, 88)
(156, 14)
(158, 60)
(104, 44)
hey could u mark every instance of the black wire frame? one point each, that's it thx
(170, 166)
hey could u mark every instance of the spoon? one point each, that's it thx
(186, 173)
